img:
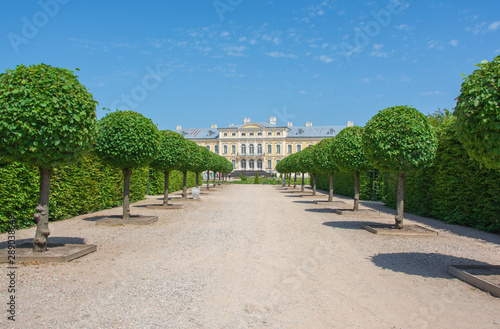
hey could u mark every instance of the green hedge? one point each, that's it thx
(343, 184)
(84, 187)
(157, 181)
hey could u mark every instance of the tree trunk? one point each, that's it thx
(314, 183)
(127, 173)
(330, 190)
(220, 177)
(165, 193)
(356, 191)
(295, 181)
(303, 180)
(208, 179)
(215, 179)
(184, 183)
(400, 201)
(289, 178)
(42, 212)
(197, 179)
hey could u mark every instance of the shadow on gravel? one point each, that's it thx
(304, 201)
(321, 210)
(96, 218)
(350, 225)
(436, 224)
(429, 265)
(51, 240)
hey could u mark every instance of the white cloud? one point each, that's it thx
(342, 12)
(252, 42)
(405, 79)
(404, 27)
(242, 39)
(303, 92)
(454, 43)
(236, 51)
(494, 26)
(379, 54)
(325, 59)
(224, 34)
(430, 93)
(378, 46)
(365, 80)
(277, 54)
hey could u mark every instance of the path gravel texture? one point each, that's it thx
(255, 256)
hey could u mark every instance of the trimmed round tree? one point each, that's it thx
(478, 114)
(347, 153)
(399, 139)
(127, 140)
(325, 163)
(47, 119)
(308, 165)
(194, 163)
(171, 156)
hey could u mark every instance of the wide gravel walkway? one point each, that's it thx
(255, 256)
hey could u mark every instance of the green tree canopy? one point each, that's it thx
(323, 156)
(307, 162)
(47, 118)
(399, 139)
(127, 140)
(172, 153)
(195, 159)
(478, 114)
(348, 152)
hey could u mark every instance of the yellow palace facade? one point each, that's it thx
(258, 146)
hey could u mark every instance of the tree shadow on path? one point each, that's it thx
(429, 265)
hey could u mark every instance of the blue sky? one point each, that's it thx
(197, 63)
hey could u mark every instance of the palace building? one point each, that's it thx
(258, 146)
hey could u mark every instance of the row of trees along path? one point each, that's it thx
(400, 139)
(48, 119)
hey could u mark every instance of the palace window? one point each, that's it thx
(278, 149)
(269, 148)
(259, 134)
(233, 149)
(233, 134)
(269, 134)
(269, 164)
(299, 148)
(243, 134)
(259, 164)
(259, 148)
(216, 149)
(243, 164)
(251, 164)
(251, 134)
(234, 163)
(278, 134)
(290, 148)
(243, 149)
(224, 149)
(225, 134)
(251, 149)
(208, 147)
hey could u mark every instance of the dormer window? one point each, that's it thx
(243, 134)
(251, 134)
(278, 134)
(259, 134)
(269, 134)
(225, 134)
(233, 134)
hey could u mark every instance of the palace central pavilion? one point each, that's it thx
(258, 146)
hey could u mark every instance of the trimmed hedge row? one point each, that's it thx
(157, 181)
(455, 189)
(343, 184)
(84, 187)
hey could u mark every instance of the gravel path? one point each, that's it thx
(255, 256)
